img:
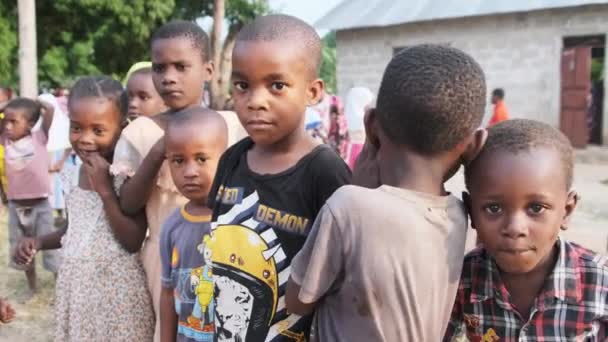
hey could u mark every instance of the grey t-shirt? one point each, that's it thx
(383, 264)
(187, 269)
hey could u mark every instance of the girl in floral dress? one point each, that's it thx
(101, 289)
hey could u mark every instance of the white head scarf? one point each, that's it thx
(357, 99)
(59, 133)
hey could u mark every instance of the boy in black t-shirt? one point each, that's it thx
(270, 187)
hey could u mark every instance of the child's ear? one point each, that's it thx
(316, 90)
(571, 203)
(209, 69)
(475, 145)
(371, 127)
(468, 205)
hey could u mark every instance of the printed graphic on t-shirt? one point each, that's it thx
(193, 296)
(18, 154)
(251, 270)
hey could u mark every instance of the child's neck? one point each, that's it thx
(198, 208)
(525, 287)
(412, 171)
(295, 141)
(282, 155)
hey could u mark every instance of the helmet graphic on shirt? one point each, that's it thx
(246, 282)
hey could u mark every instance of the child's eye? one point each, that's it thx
(180, 67)
(75, 129)
(278, 86)
(493, 209)
(98, 131)
(536, 208)
(241, 86)
(177, 161)
(157, 68)
(201, 160)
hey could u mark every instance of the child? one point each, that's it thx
(382, 264)
(525, 283)
(186, 309)
(269, 187)
(101, 289)
(500, 113)
(180, 67)
(27, 164)
(143, 97)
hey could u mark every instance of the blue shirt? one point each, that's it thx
(185, 269)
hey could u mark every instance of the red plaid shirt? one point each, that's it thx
(573, 305)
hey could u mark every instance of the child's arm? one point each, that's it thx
(129, 231)
(168, 317)
(318, 267)
(135, 192)
(46, 112)
(58, 166)
(27, 247)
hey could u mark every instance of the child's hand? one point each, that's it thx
(26, 250)
(98, 171)
(7, 313)
(45, 106)
(366, 172)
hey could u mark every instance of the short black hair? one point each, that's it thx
(499, 92)
(31, 108)
(431, 98)
(99, 86)
(215, 123)
(281, 27)
(522, 135)
(185, 29)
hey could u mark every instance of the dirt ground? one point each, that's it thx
(34, 317)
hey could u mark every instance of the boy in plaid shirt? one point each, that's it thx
(525, 283)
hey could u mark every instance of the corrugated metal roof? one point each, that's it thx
(370, 13)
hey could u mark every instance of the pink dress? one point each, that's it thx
(134, 144)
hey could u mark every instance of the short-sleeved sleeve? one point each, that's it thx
(166, 253)
(330, 172)
(40, 136)
(319, 264)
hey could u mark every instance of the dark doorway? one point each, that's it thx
(582, 89)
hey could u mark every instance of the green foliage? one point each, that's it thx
(8, 44)
(328, 62)
(81, 37)
(238, 12)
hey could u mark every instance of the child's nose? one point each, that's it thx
(257, 100)
(516, 226)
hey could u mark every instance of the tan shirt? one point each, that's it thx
(383, 264)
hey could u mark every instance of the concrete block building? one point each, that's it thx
(548, 55)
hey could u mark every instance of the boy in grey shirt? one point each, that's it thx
(383, 264)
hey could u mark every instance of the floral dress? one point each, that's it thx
(135, 143)
(101, 288)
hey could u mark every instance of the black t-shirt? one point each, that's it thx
(260, 224)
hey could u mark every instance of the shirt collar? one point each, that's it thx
(563, 283)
